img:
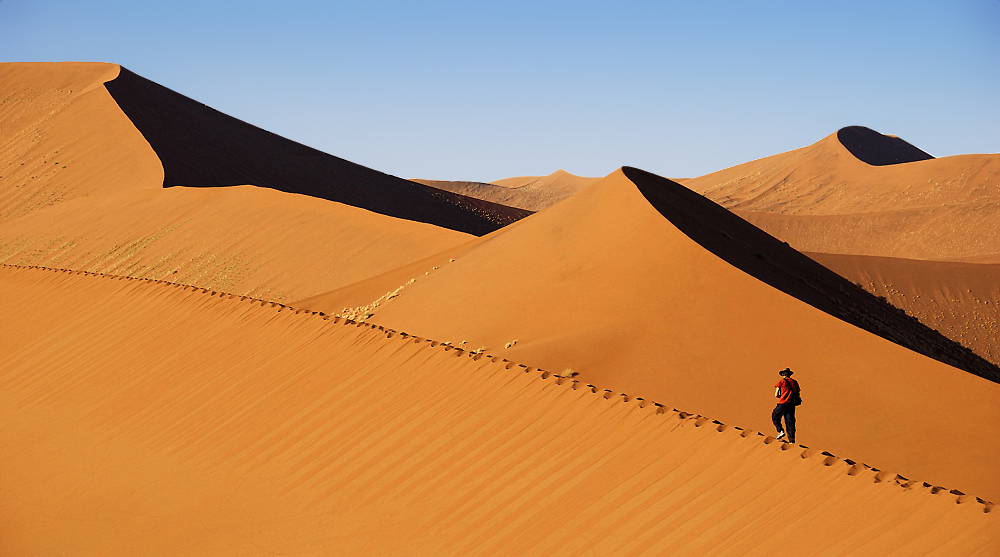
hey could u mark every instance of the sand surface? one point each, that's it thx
(142, 417)
(243, 240)
(605, 286)
(63, 137)
(962, 300)
(824, 199)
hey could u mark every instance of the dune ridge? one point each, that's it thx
(255, 445)
(202, 147)
(605, 286)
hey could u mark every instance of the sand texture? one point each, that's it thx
(143, 417)
(962, 300)
(532, 193)
(63, 137)
(824, 199)
(604, 285)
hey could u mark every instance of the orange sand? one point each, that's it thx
(962, 300)
(63, 137)
(145, 418)
(603, 285)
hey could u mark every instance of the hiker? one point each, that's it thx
(787, 393)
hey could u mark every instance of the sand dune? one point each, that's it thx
(80, 188)
(202, 147)
(63, 137)
(962, 300)
(143, 417)
(823, 198)
(532, 193)
(243, 240)
(604, 285)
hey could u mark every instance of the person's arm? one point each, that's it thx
(777, 392)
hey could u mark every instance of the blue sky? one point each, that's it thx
(481, 91)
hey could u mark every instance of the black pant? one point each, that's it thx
(788, 411)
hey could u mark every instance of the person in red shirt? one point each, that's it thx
(787, 393)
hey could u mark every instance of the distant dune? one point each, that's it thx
(603, 285)
(144, 418)
(532, 193)
(825, 199)
(202, 147)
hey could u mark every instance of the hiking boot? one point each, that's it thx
(780, 435)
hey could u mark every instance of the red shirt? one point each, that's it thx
(785, 388)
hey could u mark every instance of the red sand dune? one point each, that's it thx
(824, 199)
(142, 417)
(604, 285)
(82, 189)
(202, 147)
(962, 300)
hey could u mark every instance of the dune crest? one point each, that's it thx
(262, 429)
(57, 128)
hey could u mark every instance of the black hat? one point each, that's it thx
(786, 372)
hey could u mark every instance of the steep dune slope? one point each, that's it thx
(962, 300)
(243, 240)
(202, 147)
(603, 284)
(144, 418)
(81, 188)
(63, 137)
(823, 198)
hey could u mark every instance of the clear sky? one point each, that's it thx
(486, 90)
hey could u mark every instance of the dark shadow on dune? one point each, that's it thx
(202, 147)
(878, 150)
(772, 261)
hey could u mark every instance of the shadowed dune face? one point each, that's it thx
(145, 418)
(876, 149)
(962, 300)
(57, 128)
(603, 285)
(202, 147)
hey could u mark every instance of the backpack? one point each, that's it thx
(794, 398)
